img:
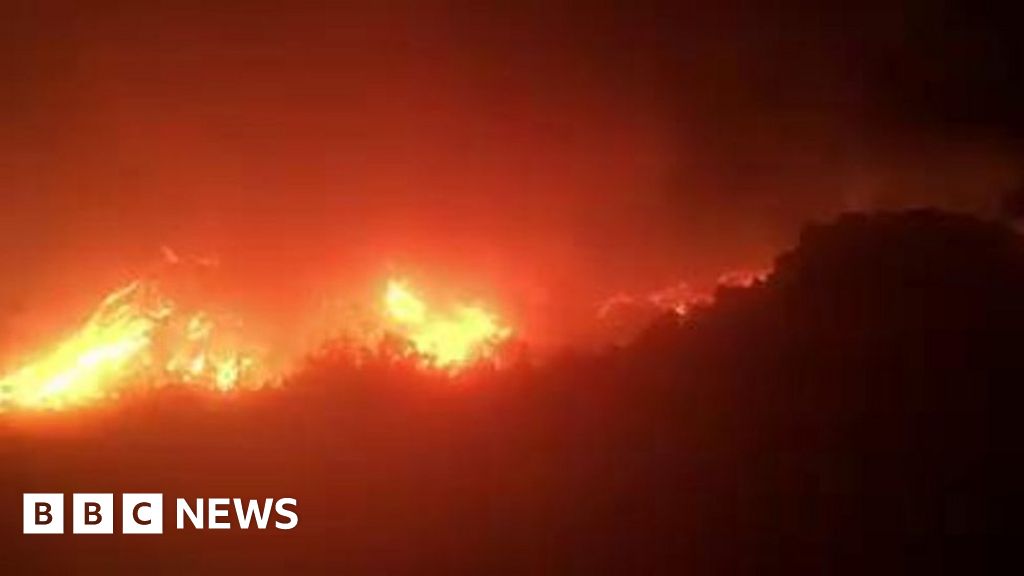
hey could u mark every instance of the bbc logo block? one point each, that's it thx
(92, 513)
(42, 513)
(142, 514)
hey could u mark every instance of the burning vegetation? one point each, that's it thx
(448, 339)
(139, 338)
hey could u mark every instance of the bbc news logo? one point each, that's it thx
(144, 513)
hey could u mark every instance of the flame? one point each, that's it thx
(623, 316)
(138, 338)
(136, 335)
(680, 298)
(445, 340)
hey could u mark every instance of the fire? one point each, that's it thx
(136, 335)
(138, 338)
(446, 340)
(624, 315)
(680, 298)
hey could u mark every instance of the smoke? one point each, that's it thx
(549, 155)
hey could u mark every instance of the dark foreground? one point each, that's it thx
(857, 413)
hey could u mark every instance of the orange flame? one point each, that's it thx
(446, 340)
(135, 335)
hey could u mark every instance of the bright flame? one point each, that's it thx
(138, 338)
(446, 340)
(135, 335)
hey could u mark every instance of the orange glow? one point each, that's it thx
(679, 298)
(623, 316)
(743, 278)
(446, 340)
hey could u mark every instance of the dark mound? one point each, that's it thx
(870, 387)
